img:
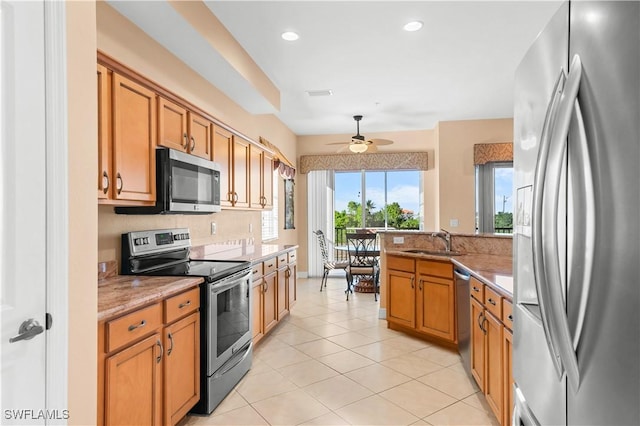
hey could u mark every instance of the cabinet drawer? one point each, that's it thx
(437, 269)
(256, 270)
(507, 314)
(130, 327)
(283, 259)
(269, 266)
(293, 256)
(493, 302)
(400, 263)
(182, 304)
(476, 288)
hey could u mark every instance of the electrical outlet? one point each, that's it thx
(398, 240)
(453, 223)
(251, 228)
(213, 228)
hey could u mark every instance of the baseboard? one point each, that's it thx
(302, 274)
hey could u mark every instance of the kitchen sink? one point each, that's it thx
(434, 252)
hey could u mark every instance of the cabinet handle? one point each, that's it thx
(420, 286)
(492, 301)
(476, 289)
(186, 141)
(193, 146)
(159, 357)
(510, 317)
(134, 326)
(412, 280)
(120, 181)
(265, 287)
(105, 182)
(182, 305)
(270, 265)
(481, 320)
(170, 347)
(235, 197)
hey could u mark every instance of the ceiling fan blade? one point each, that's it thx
(381, 141)
(338, 143)
(344, 148)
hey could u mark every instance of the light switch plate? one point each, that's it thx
(398, 240)
(213, 228)
(453, 223)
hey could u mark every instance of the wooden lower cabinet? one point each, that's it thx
(491, 349)
(421, 296)
(133, 384)
(257, 309)
(270, 302)
(282, 293)
(181, 367)
(292, 286)
(149, 368)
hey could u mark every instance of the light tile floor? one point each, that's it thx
(333, 362)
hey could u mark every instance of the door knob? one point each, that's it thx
(27, 331)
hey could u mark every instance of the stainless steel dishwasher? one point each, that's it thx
(463, 315)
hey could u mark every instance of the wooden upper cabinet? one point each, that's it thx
(105, 176)
(261, 178)
(134, 140)
(172, 125)
(222, 154)
(241, 172)
(200, 136)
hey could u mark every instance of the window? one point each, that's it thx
(494, 197)
(270, 217)
(391, 199)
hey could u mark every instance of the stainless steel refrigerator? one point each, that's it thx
(576, 338)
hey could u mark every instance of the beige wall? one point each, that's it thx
(456, 180)
(421, 140)
(120, 39)
(83, 211)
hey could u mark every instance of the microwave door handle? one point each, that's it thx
(536, 224)
(557, 150)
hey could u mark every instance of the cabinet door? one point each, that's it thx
(477, 342)
(133, 377)
(292, 285)
(436, 307)
(240, 173)
(493, 373)
(200, 130)
(181, 367)
(105, 174)
(222, 154)
(282, 293)
(257, 309)
(270, 302)
(267, 180)
(507, 371)
(172, 125)
(134, 141)
(255, 177)
(401, 305)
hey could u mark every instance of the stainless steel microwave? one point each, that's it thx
(185, 184)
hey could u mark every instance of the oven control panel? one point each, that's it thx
(157, 240)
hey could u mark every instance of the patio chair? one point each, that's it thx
(327, 263)
(363, 262)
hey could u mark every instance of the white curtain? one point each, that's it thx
(320, 188)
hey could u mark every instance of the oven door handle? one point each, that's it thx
(228, 283)
(235, 359)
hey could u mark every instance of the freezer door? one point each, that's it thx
(539, 80)
(606, 36)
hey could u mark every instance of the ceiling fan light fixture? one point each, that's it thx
(358, 148)
(413, 26)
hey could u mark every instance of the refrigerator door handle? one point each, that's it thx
(553, 181)
(588, 217)
(536, 224)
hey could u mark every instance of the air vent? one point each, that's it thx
(314, 93)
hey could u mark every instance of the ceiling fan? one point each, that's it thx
(358, 143)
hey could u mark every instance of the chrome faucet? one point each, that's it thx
(446, 237)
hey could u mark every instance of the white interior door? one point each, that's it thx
(22, 213)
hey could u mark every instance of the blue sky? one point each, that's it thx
(503, 180)
(402, 186)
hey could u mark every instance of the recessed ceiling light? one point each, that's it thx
(413, 26)
(325, 92)
(290, 36)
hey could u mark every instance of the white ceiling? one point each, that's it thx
(459, 66)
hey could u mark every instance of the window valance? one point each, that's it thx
(373, 161)
(285, 167)
(491, 152)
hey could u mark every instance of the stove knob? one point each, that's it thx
(137, 241)
(145, 240)
(186, 236)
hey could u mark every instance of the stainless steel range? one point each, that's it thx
(225, 299)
